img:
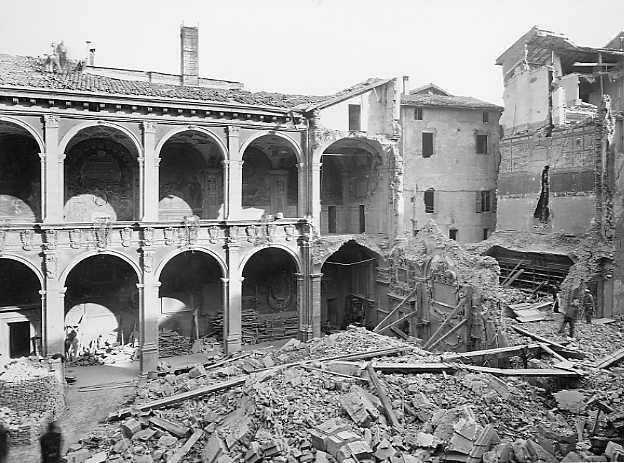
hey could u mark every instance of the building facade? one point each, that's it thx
(132, 202)
(450, 148)
(562, 149)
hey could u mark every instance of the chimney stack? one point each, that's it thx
(91, 50)
(189, 52)
(405, 84)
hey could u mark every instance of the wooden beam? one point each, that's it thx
(511, 273)
(394, 310)
(537, 337)
(182, 451)
(503, 352)
(385, 401)
(440, 367)
(396, 322)
(611, 359)
(443, 324)
(513, 278)
(447, 334)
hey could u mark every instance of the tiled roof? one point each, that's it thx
(21, 71)
(449, 101)
(347, 93)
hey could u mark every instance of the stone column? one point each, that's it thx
(301, 189)
(52, 188)
(53, 318)
(315, 195)
(149, 314)
(234, 177)
(232, 301)
(315, 304)
(149, 163)
(302, 307)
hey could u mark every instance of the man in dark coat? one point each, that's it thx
(588, 305)
(51, 444)
(4, 444)
(554, 292)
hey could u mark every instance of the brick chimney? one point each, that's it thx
(189, 55)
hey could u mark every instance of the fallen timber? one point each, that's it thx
(610, 359)
(177, 398)
(537, 337)
(477, 356)
(442, 367)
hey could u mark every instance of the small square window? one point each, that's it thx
(486, 117)
(418, 114)
(453, 234)
(482, 144)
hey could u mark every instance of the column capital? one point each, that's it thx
(149, 127)
(225, 281)
(299, 276)
(233, 131)
(314, 276)
(51, 121)
(42, 156)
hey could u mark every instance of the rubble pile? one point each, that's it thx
(107, 355)
(257, 329)
(250, 409)
(171, 343)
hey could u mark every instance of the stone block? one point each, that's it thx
(358, 451)
(167, 441)
(332, 445)
(130, 427)
(99, 457)
(79, 456)
(197, 371)
(321, 457)
(213, 449)
(318, 439)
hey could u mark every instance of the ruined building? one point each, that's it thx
(135, 201)
(559, 185)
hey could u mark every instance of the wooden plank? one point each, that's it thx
(443, 304)
(513, 278)
(443, 325)
(396, 322)
(511, 273)
(182, 451)
(537, 337)
(394, 310)
(611, 359)
(440, 367)
(448, 333)
(333, 373)
(503, 352)
(399, 333)
(176, 429)
(385, 401)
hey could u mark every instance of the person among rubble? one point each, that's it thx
(51, 444)
(569, 317)
(588, 305)
(554, 292)
(4, 444)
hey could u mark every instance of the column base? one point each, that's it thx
(149, 358)
(232, 344)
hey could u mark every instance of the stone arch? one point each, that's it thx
(193, 128)
(177, 252)
(28, 128)
(36, 270)
(110, 252)
(288, 250)
(293, 144)
(71, 133)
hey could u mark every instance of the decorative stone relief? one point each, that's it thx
(147, 260)
(75, 238)
(126, 236)
(50, 239)
(215, 233)
(170, 236)
(270, 232)
(251, 232)
(102, 235)
(289, 231)
(50, 265)
(233, 233)
(26, 237)
(148, 236)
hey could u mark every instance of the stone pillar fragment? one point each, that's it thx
(149, 164)
(232, 301)
(315, 304)
(234, 176)
(149, 314)
(53, 323)
(52, 172)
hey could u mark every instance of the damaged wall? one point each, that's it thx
(455, 171)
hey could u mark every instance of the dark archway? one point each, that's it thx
(102, 299)
(348, 287)
(101, 176)
(20, 308)
(191, 295)
(191, 177)
(20, 175)
(269, 296)
(270, 178)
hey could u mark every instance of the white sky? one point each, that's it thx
(313, 47)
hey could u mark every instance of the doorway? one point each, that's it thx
(19, 339)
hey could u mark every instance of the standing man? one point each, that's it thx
(569, 317)
(588, 305)
(554, 292)
(51, 444)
